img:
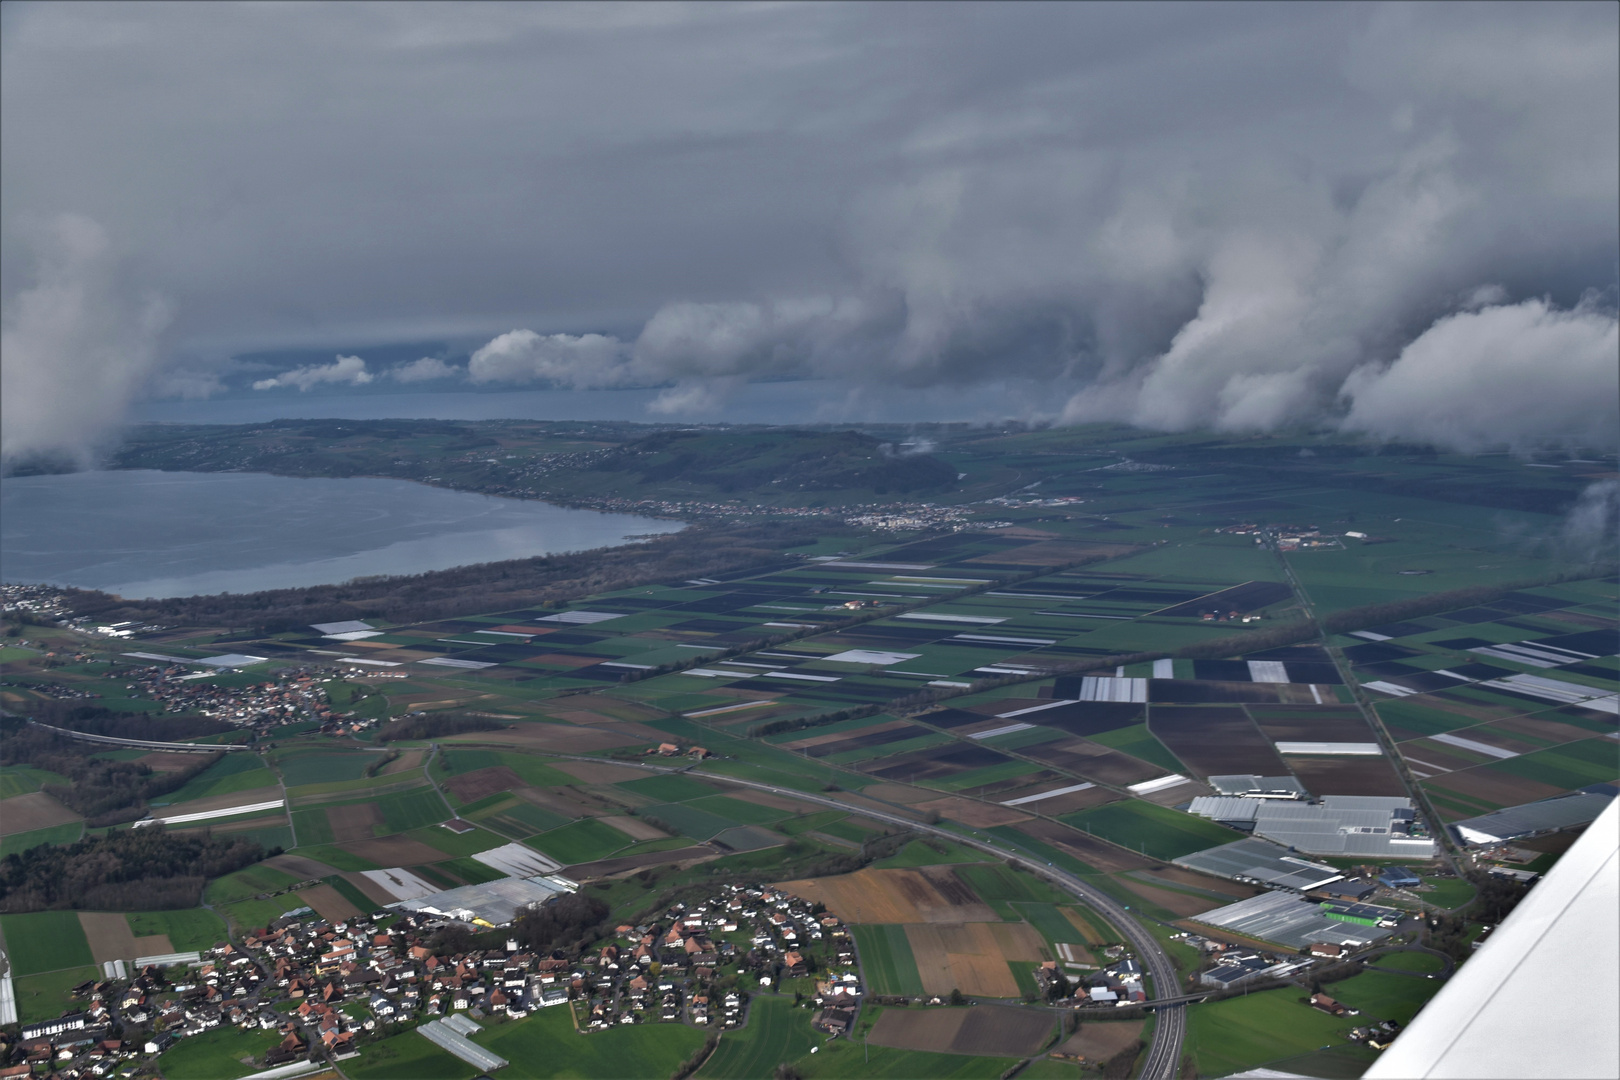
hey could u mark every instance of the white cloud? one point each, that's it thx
(77, 348)
(345, 369)
(1521, 375)
(584, 362)
(427, 369)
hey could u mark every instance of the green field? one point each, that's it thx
(933, 851)
(41, 997)
(336, 857)
(855, 1059)
(471, 871)
(324, 766)
(687, 819)
(44, 941)
(739, 810)
(1052, 924)
(1154, 830)
(1448, 892)
(233, 772)
(467, 843)
(215, 1055)
(1420, 962)
(56, 834)
(886, 960)
(525, 819)
(545, 1046)
(1247, 1032)
(668, 788)
(188, 930)
(1573, 765)
(412, 809)
(312, 826)
(585, 840)
(776, 1033)
(246, 884)
(21, 780)
(1384, 995)
(533, 771)
(407, 1055)
(1138, 741)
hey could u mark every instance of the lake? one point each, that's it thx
(146, 534)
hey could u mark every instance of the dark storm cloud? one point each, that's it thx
(1200, 215)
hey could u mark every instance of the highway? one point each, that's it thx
(1164, 1051)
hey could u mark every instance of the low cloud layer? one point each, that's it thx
(1394, 220)
(344, 371)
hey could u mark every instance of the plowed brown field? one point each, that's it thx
(36, 810)
(990, 1030)
(111, 938)
(388, 851)
(354, 821)
(895, 896)
(330, 904)
(961, 956)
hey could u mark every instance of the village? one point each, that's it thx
(327, 988)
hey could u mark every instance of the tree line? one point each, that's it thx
(147, 869)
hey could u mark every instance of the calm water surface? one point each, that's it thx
(143, 533)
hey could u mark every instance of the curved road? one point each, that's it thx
(1163, 1053)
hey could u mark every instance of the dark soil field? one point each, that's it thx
(469, 787)
(1501, 789)
(934, 762)
(354, 822)
(1087, 717)
(1095, 762)
(1188, 692)
(1538, 728)
(1347, 775)
(1329, 723)
(1096, 1041)
(988, 1030)
(978, 815)
(1215, 741)
(1094, 853)
(388, 851)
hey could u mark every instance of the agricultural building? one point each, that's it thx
(1548, 815)
(1361, 914)
(1288, 920)
(1372, 825)
(494, 903)
(1249, 786)
(1260, 862)
(1399, 877)
(1234, 971)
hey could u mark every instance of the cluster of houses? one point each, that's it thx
(1118, 984)
(288, 699)
(323, 986)
(700, 966)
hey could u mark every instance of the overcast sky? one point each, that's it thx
(1401, 219)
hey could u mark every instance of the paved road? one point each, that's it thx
(1164, 1052)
